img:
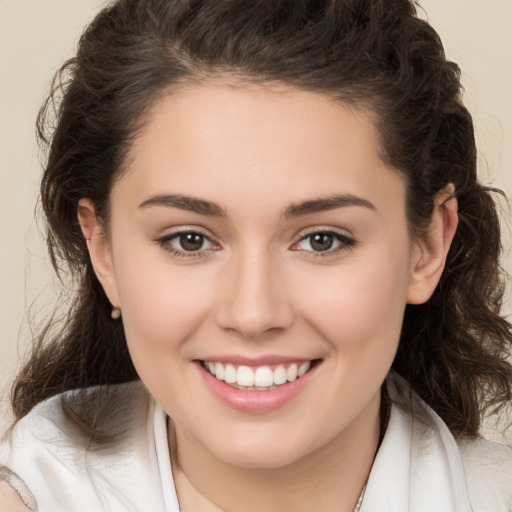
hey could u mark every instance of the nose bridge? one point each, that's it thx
(256, 298)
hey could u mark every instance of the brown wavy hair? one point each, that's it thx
(373, 54)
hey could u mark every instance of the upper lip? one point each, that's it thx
(254, 361)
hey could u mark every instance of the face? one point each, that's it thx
(258, 235)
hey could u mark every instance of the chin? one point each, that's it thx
(270, 451)
(258, 459)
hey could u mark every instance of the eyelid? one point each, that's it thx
(188, 228)
(347, 241)
(312, 230)
(165, 242)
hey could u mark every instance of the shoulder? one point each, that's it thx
(476, 467)
(10, 500)
(488, 468)
(68, 420)
(14, 493)
(57, 462)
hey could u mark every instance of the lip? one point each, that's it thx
(254, 361)
(255, 401)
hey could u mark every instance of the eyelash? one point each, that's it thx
(166, 243)
(345, 243)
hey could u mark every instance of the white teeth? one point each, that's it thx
(245, 376)
(230, 374)
(280, 375)
(303, 368)
(263, 378)
(291, 373)
(219, 371)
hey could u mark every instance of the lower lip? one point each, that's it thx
(245, 400)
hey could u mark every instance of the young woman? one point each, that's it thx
(286, 270)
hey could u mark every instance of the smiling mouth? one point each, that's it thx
(259, 378)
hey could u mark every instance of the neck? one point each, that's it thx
(329, 479)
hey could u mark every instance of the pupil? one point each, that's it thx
(191, 241)
(321, 241)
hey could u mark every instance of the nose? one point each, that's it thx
(255, 299)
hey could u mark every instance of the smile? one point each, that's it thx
(259, 378)
(256, 386)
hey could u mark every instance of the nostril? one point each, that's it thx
(255, 320)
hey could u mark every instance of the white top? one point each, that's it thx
(419, 466)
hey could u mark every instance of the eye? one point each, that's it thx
(319, 242)
(187, 243)
(328, 242)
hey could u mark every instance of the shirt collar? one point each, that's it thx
(418, 467)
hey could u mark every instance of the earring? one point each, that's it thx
(116, 313)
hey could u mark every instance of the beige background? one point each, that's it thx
(36, 36)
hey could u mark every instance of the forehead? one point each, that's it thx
(202, 139)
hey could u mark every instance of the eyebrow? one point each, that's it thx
(211, 209)
(182, 202)
(324, 204)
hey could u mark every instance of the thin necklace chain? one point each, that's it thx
(360, 500)
(359, 503)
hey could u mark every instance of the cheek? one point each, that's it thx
(359, 305)
(162, 304)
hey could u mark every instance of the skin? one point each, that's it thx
(10, 500)
(257, 287)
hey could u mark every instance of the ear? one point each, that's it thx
(431, 248)
(99, 248)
